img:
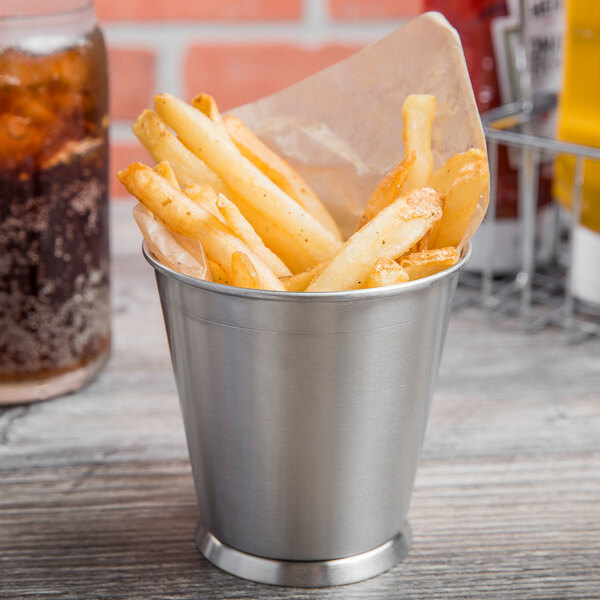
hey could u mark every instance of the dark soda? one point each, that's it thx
(54, 262)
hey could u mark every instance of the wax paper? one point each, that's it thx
(176, 251)
(342, 127)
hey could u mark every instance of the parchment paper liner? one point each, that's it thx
(342, 127)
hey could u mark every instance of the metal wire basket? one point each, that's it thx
(540, 293)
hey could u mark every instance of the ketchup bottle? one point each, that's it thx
(473, 20)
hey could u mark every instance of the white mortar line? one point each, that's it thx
(309, 32)
(120, 131)
(170, 68)
(315, 17)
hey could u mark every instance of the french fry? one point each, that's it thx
(389, 235)
(300, 281)
(162, 145)
(182, 216)
(243, 273)
(229, 214)
(418, 112)
(386, 272)
(206, 197)
(234, 219)
(207, 104)
(167, 237)
(305, 241)
(388, 189)
(428, 262)
(279, 172)
(218, 273)
(165, 169)
(461, 201)
(415, 170)
(444, 177)
(423, 243)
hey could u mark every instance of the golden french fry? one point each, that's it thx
(461, 201)
(162, 145)
(234, 219)
(229, 214)
(243, 273)
(300, 281)
(386, 272)
(182, 216)
(205, 196)
(188, 259)
(165, 169)
(389, 235)
(207, 104)
(189, 245)
(304, 242)
(415, 170)
(263, 227)
(218, 273)
(418, 112)
(388, 189)
(444, 177)
(279, 172)
(423, 243)
(428, 262)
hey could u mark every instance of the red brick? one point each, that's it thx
(131, 81)
(374, 9)
(238, 74)
(121, 155)
(217, 10)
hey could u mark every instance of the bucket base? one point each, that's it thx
(307, 574)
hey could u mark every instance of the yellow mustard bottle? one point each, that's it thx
(579, 107)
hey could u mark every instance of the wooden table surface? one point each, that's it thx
(97, 500)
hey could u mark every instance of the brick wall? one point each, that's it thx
(236, 50)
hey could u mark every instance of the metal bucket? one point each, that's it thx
(305, 416)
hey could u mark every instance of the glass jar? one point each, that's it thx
(54, 262)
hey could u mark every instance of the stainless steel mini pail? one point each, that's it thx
(305, 416)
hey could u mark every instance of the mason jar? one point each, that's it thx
(54, 261)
